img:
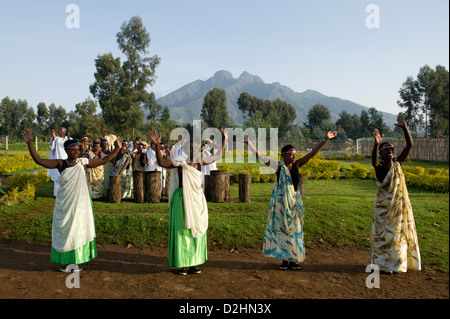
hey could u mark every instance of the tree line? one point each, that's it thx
(259, 113)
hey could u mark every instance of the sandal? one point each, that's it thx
(71, 268)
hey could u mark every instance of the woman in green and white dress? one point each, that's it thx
(188, 212)
(73, 230)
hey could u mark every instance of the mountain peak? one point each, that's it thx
(185, 103)
(312, 94)
(247, 77)
(222, 75)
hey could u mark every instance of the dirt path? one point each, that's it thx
(120, 272)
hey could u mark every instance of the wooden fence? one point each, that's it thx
(423, 149)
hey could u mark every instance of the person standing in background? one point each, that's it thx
(57, 152)
(95, 175)
(107, 168)
(208, 150)
(84, 148)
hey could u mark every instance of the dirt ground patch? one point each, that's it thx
(130, 273)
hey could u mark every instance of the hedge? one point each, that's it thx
(433, 179)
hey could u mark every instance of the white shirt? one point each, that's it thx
(56, 152)
(207, 168)
(152, 162)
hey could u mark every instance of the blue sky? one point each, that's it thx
(321, 45)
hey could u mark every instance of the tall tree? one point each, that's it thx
(276, 113)
(12, 113)
(57, 116)
(426, 100)
(439, 102)
(28, 121)
(214, 109)
(153, 108)
(377, 121)
(410, 99)
(317, 115)
(346, 122)
(365, 124)
(121, 89)
(85, 121)
(42, 118)
(246, 104)
(165, 115)
(425, 77)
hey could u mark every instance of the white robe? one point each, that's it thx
(195, 206)
(207, 168)
(73, 219)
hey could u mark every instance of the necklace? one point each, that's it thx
(70, 164)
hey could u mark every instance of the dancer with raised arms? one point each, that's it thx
(188, 212)
(395, 247)
(73, 231)
(283, 238)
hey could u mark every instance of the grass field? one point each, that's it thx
(338, 213)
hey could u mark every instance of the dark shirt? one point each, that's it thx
(382, 171)
(295, 175)
(180, 175)
(65, 165)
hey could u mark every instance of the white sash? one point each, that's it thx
(195, 206)
(73, 219)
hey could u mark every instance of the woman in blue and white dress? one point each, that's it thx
(283, 238)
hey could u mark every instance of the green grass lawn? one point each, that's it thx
(338, 213)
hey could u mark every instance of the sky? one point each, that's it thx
(352, 49)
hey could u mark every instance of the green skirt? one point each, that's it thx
(184, 250)
(77, 256)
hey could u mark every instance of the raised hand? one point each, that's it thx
(53, 134)
(330, 135)
(27, 136)
(155, 138)
(376, 134)
(400, 122)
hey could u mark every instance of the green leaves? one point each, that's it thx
(260, 113)
(214, 109)
(426, 100)
(121, 88)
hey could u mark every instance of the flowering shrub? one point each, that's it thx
(357, 170)
(433, 179)
(18, 163)
(21, 187)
